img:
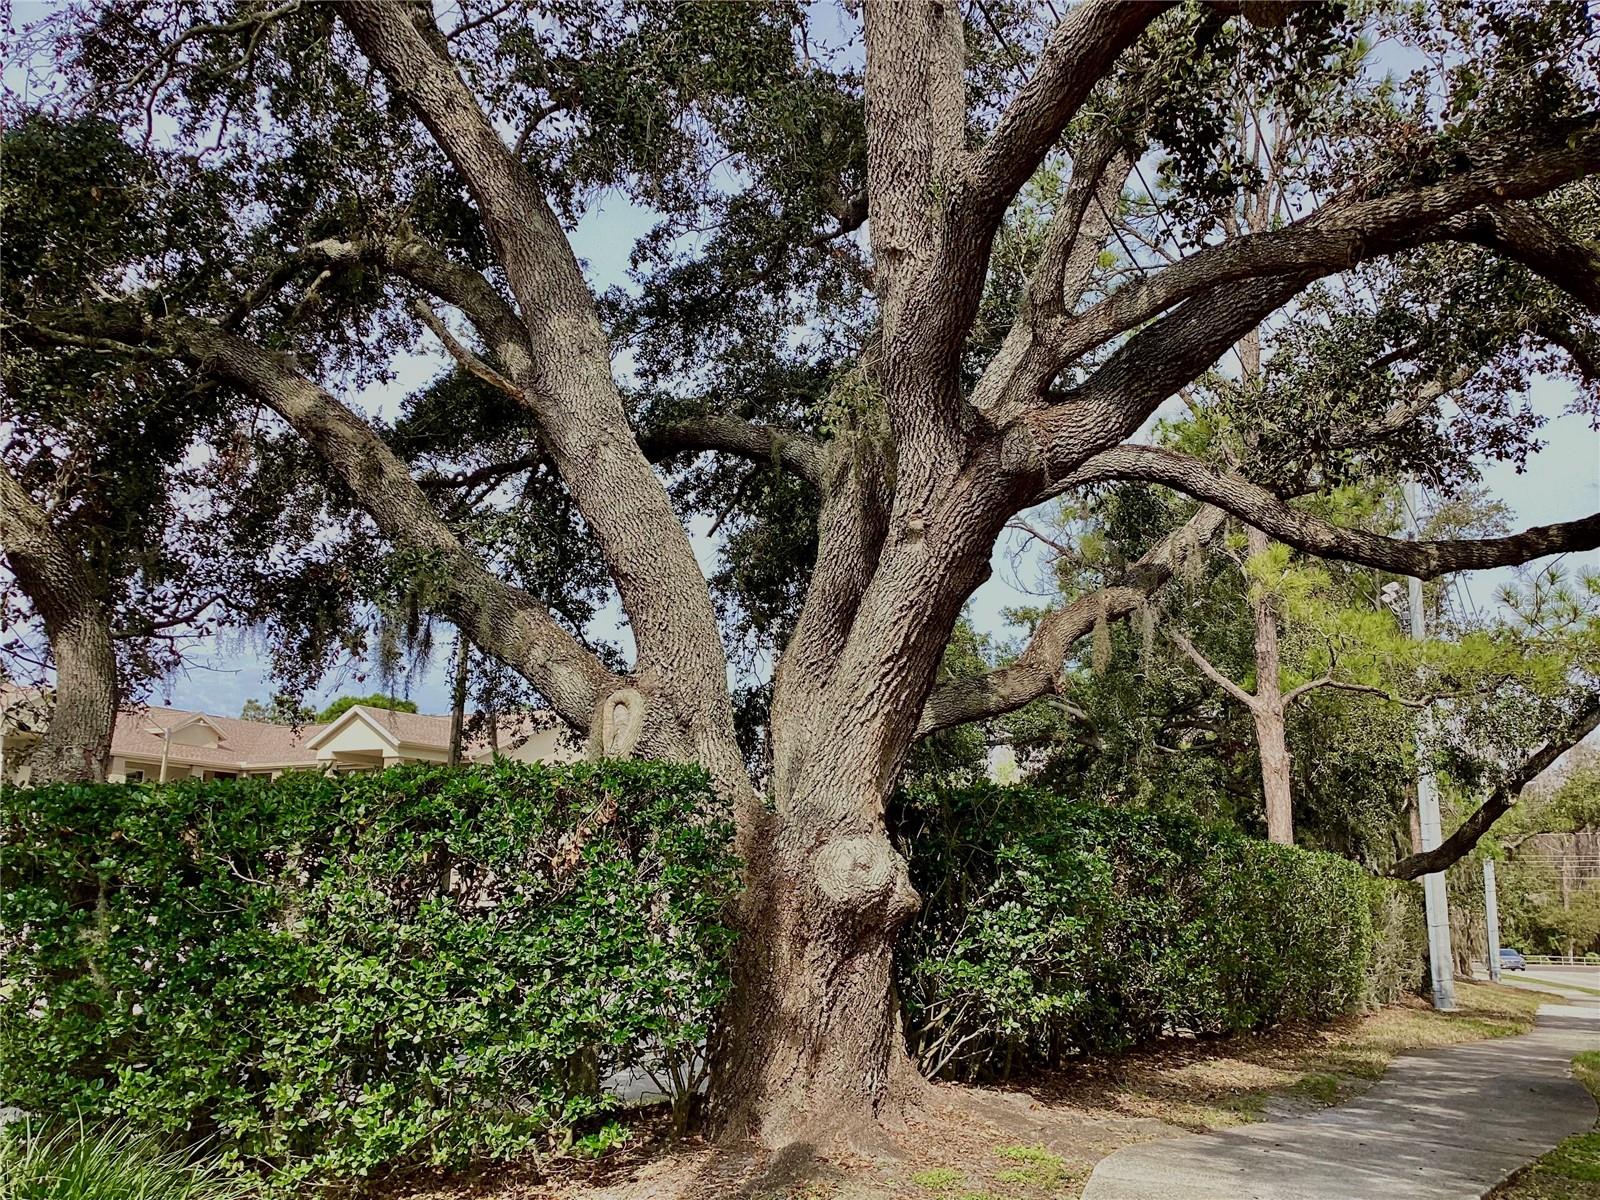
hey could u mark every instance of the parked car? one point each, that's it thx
(1512, 960)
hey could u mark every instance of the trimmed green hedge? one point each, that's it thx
(1050, 929)
(331, 976)
(327, 975)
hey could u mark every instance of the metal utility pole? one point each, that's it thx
(1441, 961)
(1491, 915)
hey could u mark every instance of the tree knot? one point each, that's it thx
(864, 873)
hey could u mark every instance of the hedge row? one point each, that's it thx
(1050, 929)
(323, 975)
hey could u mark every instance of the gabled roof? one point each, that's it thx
(397, 729)
(244, 745)
(198, 718)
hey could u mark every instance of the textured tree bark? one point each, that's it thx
(1274, 751)
(812, 1049)
(76, 746)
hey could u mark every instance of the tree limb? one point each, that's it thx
(1258, 507)
(711, 431)
(732, 435)
(502, 620)
(569, 386)
(1505, 795)
(1081, 49)
(1328, 681)
(1037, 671)
(1211, 672)
(1522, 233)
(70, 603)
(1335, 238)
(466, 359)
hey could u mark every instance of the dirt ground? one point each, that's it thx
(1031, 1140)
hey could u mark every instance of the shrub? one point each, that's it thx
(109, 1162)
(1052, 928)
(1398, 965)
(330, 974)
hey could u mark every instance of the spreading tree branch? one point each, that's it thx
(1336, 237)
(1501, 799)
(732, 435)
(1211, 672)
(502, 620)
(569, 386)
(1037, 671)
(1080, 51)
(1328, 681)
(1522, 233)
(1259, 507)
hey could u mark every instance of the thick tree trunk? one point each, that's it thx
(77, 745)
(812, 1050)
(1268, 711)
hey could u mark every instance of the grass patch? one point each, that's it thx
(1323, 1087)
(1571, 987)
(938, 1179)
(105, 1162)
(1586, 1070)
(1040, 1168)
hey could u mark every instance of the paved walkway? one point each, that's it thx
(1446, 1124)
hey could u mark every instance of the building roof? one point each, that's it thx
(241, 744)
(409, 729)
(258, 745)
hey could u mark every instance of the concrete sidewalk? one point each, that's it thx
(1445, 1124)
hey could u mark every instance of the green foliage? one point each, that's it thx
(329, 975)
(344, 704)
(112, 1161)
(1398, 959)
(1051, 928)
(279, 710)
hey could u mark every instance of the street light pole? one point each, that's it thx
(1441, 962)
(1491, 916)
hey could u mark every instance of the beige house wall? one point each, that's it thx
(544, 745)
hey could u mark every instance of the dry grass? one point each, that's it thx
(1039, 1140)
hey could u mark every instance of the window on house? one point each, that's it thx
(132, 776)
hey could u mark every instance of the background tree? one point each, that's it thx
(279, 710)
(344, 704)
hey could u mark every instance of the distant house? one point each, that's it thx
(152, 744)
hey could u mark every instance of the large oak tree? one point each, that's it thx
(387, 165)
